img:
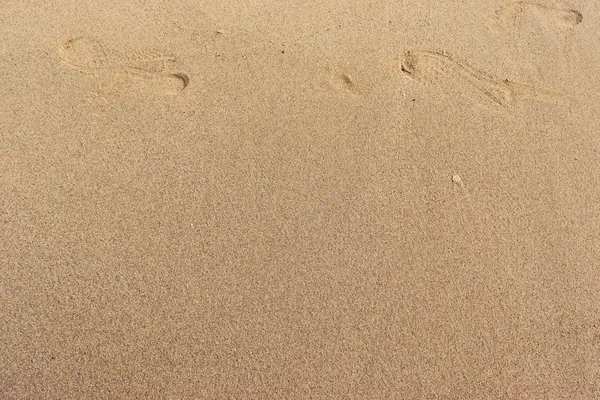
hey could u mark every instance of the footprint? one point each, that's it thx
(91, 57)
(518, 13)
(437, 67)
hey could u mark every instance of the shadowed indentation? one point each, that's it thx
(90, 56)
(438, 67)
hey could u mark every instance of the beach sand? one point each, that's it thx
(299, 200)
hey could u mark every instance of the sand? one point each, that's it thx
(299, 200)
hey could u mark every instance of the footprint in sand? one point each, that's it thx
(520, 13)
(439, 68)
(89, 56)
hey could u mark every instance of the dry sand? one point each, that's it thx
(334, 199)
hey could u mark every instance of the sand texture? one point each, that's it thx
(360, 199)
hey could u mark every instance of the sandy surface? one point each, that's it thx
(358, 199)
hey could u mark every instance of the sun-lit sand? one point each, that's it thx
(299, 200)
